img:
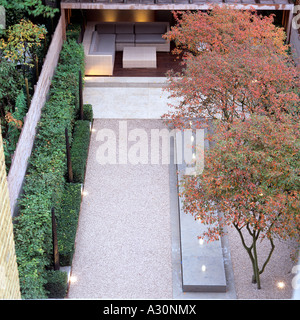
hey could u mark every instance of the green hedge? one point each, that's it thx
(57, 284)
(88, 112)
(79, 149)
(67, 221)
(73, 31)
(45, 179)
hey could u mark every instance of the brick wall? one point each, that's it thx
(24, 147)
(9, 277)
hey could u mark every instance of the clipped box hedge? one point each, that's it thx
(45, 179)
(88, 112)
(57, 284)
(67, 221)
(79, 149)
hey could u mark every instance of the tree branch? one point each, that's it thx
(269, 256)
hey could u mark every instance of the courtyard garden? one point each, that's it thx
(237, 78)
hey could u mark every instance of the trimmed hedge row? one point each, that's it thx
(67, 221)
(45, 179)
(88, 112)
(79, 150)
(67, 217)
(57, 284)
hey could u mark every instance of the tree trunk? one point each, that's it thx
(80, 96)
(55, 243)
(252, 252)
(255, 264)
(68, 152)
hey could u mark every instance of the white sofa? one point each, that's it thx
(101, 40)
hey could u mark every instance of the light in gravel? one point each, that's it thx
(201, 242)
(73, 279)
(203, 268)
(91, 128)
(280, 285)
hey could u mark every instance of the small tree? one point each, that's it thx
(22, 39)
(252, 179)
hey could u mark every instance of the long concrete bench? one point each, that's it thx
(202, 264)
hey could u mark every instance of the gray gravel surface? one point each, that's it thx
(123, 241)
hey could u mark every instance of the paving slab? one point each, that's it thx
(127, 98)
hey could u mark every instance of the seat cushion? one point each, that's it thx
(148, 27)
(149, 38)
(124, 27)
(125, 38)
(106, 27)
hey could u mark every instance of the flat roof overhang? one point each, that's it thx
(271, 5)
(279, 5)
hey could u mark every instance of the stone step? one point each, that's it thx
(129, 82)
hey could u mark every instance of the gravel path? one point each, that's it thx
(123, 242)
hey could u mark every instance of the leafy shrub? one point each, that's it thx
(73, 31)
(14, 127)
(67, 221)
(79, 150)
(57, 284)
(44, 182)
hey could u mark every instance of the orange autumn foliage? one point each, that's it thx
(235, 64)
(238, 75)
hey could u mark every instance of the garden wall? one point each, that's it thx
(295, 41)
(24, 147)
(9, 279)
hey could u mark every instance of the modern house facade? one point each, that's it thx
(101, 46)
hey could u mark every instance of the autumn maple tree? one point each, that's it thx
(22, 40)
(235, 63)
(237, 74)
(251, 181)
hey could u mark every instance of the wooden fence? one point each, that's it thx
(24, 147)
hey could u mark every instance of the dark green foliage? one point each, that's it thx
(73, 31)
(44, 182)
(67, 220)
(30, 7)
(57, 284)
(88, 112)
(13, 131)
(10, 85)
(79, 149)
